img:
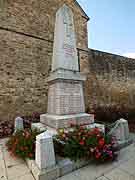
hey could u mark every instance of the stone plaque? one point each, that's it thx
(67, 98)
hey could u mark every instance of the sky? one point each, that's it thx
(112, 25)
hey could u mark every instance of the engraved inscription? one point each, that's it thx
(69, 50)
(68, 21)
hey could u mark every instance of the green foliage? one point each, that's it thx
(73, 150)
(22, 143)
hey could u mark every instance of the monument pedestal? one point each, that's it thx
(56, 121)
(66, 100)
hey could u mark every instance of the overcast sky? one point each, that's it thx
(112, 25)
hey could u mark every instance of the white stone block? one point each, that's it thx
(45, 157)
(101, 127)
(18, 124)
(39, 126)
(56, 121)
(121, 130)
(125, 128)
(66, 166)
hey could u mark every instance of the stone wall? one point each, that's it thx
(24, 66)
(111, 80)
(37, 18)
(26, 41)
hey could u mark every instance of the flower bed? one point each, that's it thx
(80, 142)
(22, 144)
(75, 143)
(6, 128)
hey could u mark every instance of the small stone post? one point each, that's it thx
(121, 130)
(18, 124)
(125, 128)
(45, 156)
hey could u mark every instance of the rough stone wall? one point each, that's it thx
(37, 18)
(26, 41)
(24, 66)
(111, 80)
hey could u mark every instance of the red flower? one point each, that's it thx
(96, 131)
(27, 135)
(30, 155)
(26, 148)
(98, 155)
(101, 142)
(81, 142)
(16, 141)
(22, 148)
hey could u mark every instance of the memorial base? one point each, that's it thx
(63, 166)
(57, 121)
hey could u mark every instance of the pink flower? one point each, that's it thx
(98, 155)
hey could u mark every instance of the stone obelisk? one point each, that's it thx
(65, 95)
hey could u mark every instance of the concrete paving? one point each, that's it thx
(123, 169)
